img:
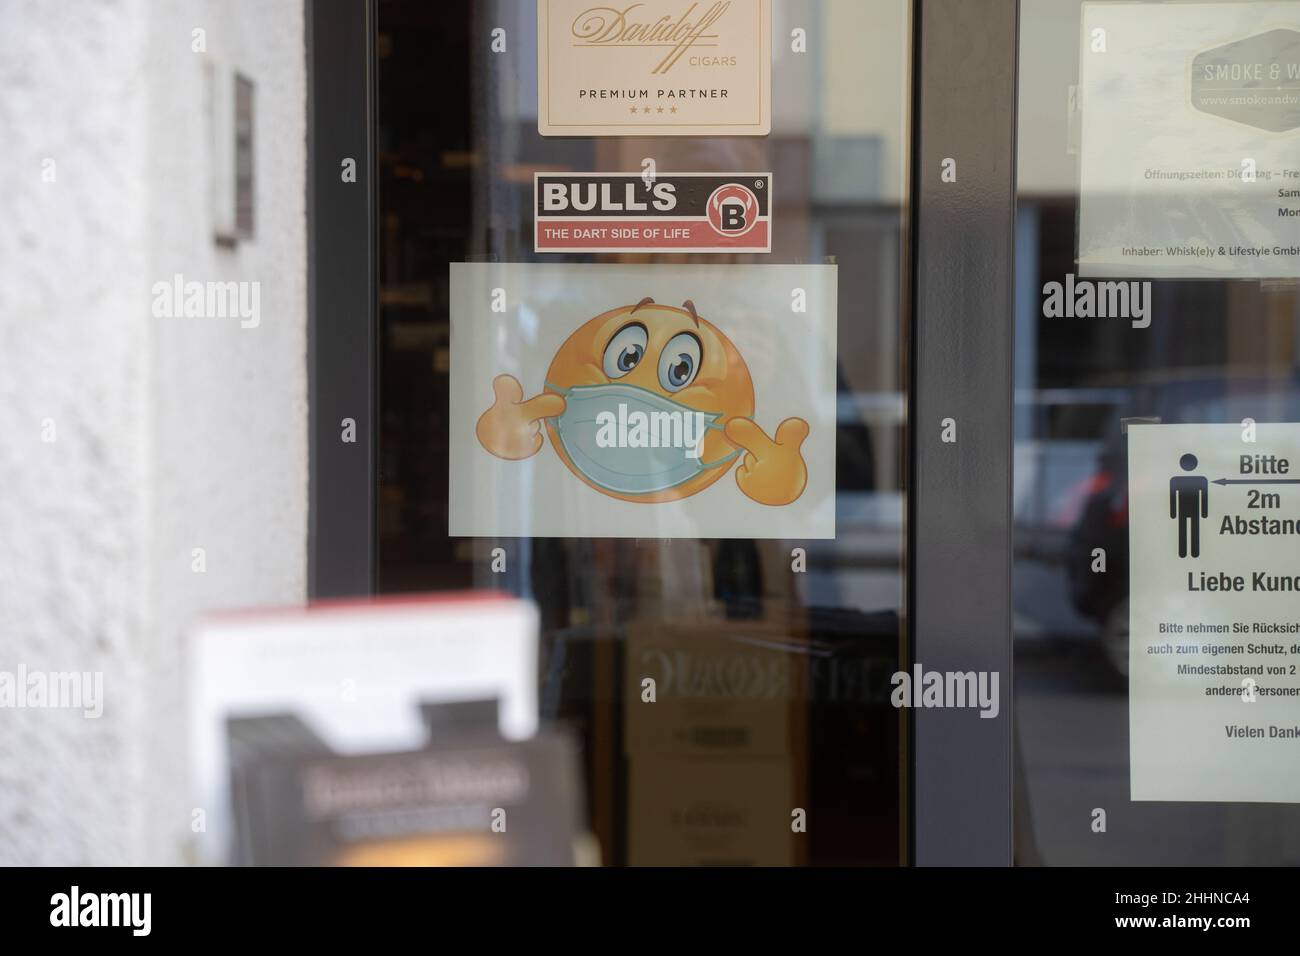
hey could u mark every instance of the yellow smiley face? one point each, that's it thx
(670, 352)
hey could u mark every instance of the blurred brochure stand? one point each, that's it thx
(469, 799)
(396, 731)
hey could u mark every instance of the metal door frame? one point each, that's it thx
(342, 373)
(959, 498)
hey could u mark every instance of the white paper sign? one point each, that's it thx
(1214, 541)
(642, 401)
(1190, 144)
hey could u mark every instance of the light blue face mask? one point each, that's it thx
(602, 434)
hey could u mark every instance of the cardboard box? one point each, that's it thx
(721, 688)
(704, 811)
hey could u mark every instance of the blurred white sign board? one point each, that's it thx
(356, 673)
(1190, 144)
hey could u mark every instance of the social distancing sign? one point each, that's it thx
(1214, 652)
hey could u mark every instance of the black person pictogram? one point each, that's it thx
(1189, 502)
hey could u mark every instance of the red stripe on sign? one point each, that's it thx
(646, 234)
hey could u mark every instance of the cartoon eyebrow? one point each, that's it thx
(689, 306)
(646, 301)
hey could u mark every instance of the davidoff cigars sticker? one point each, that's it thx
(1190, 140)
(654, 68)
(1214, 612)
(670, 212)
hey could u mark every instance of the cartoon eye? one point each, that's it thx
(679, 361)
(625, 350)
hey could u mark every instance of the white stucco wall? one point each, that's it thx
(170, 433)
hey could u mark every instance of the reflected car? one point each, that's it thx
(1103, 519)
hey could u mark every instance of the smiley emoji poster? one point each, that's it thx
(642, 401)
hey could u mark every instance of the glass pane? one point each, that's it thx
(763, 595)
(1156, 288)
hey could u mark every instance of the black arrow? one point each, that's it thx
(1257, 481)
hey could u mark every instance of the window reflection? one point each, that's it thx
(771, 665)
(1216, 351)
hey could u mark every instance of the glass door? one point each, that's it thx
(1157, 402)
(643, 313)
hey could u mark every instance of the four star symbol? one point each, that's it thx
(660, 109)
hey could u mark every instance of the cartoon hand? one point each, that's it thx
(772, 472)
(511, 428)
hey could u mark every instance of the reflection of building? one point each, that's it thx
(838, 160)
(1216, 351)
(1075, 379)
